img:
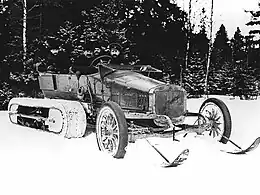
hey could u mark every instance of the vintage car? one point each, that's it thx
(121, 103)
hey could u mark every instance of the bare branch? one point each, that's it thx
(35, 6)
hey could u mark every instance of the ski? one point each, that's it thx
(179, 159)
(252, 147)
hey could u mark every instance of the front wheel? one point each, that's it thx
(111, 130)
(217, 114)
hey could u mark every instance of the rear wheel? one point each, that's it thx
(217, 114)
(111, 130)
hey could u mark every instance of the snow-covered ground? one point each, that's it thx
(35, 163)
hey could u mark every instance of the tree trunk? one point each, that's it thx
(210, 48)
(24, 29)
(188, 37)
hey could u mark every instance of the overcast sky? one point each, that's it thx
(228, 12)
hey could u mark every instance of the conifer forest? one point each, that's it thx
(156, 32)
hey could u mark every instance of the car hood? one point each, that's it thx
(134, 80)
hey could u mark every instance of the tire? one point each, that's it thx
(216, 111)
(111, 130)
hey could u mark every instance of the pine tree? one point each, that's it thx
(4, 38)
(254, 39)
(244, 76)
(238, 63)
(106, 24)
(253, 43)
(221, 52)
(238, 46)
(194, 75)
(158, 28)
(255, 21)
(96, 30)
(219, 74)
(5, 89)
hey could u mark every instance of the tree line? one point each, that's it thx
(152, 32)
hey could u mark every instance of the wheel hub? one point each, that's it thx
(213, 120)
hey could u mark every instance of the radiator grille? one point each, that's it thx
(170, 100)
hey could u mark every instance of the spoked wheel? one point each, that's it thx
(217, 115)
(111, 130)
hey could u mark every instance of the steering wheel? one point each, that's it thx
(104, 59)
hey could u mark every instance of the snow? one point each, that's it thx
(34, 162)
